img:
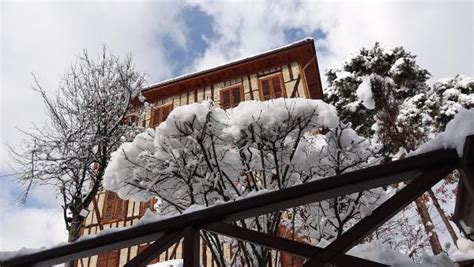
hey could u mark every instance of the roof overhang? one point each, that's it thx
(302, 52)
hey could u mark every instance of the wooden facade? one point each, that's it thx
(290, 71)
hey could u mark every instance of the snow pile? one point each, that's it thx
(4, 255)
(465, 250)
(382, 253)
(454, 136)
(170, 263)
(141, 148)
(272, 114)
(364, 93)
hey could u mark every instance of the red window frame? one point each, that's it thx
(231, 96)
(271, 87)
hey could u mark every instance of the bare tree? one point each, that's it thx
(88, 118)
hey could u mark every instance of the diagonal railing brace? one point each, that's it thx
(282, 244)
(155, 249)
(380, 215)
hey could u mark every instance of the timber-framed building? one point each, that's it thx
(289, 71)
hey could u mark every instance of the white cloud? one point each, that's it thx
(30, 227)
(46, 37)
(440, 33)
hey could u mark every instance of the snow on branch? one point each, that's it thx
(454, 136)
(201, 153)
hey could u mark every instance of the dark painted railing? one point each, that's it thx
(423, 171)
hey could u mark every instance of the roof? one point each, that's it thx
(299, 51)
(241, 60)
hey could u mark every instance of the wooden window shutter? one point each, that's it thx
(109, 206)
(108, 259)
(266, 90)
(276, 86)
(114, 207)
(120, 209)
(271, 87)
(225, 99)
(155, 117)
(160, 114)
(235, 96)
(166, 112)
(231, 97)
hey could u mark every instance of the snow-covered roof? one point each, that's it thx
(234, 62)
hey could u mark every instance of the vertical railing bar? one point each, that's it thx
(191, 247)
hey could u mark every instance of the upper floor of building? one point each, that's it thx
(289, 71)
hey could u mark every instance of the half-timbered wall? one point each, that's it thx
(251, 89)
(108, 211)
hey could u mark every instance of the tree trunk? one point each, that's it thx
(445, 219)
(429, 227)
(74, 232)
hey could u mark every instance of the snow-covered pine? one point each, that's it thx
(432, 110)
(404, 111)
(395, 64)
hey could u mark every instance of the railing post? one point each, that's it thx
(467, 165)
(191, 247)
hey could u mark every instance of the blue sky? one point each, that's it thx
(171, 38)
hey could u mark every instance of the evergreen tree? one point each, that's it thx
(384, 94)
(397, 64)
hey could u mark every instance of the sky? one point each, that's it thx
(167, 39)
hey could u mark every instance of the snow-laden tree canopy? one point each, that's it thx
(202, 154)
(432, 110)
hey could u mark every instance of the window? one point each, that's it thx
(147, 205)
(114, 207)
(159, 114)
(271, 87)
(231, 97)
(108, 259)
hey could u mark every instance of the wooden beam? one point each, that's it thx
(155, 249)
(380, 215)
(380, 175)
(80, 249)
(97, 213)
(282, 244)
(191, 247)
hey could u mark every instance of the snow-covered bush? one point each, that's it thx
(202, 155)
(341, 150)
